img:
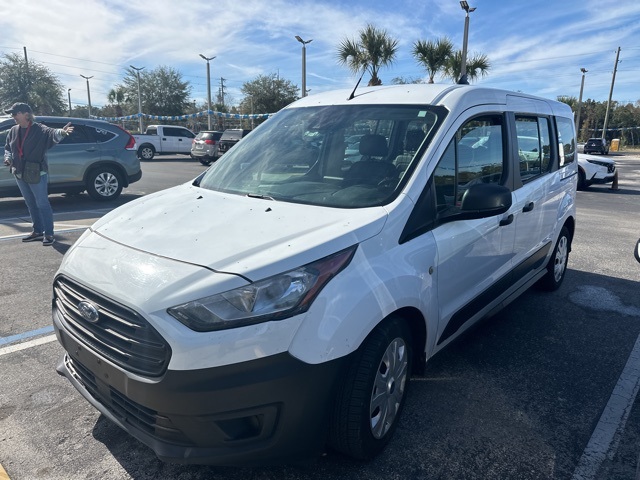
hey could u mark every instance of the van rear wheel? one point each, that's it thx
(372, 394)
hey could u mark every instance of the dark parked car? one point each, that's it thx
(597, 145)
(229, 138)
(205, 147)
(98, 157)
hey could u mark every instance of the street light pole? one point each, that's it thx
(583, 70)
(252, 127)
(208, 90)
(463, 67)
(69, 94)
(304, 63)
(613, 81)
(88, 92)
(139, 97)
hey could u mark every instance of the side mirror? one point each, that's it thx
(637, 250)
(485, 200)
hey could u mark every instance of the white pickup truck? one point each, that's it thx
(164, 140)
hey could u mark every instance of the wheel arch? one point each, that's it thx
(418, 327)
(570, 223)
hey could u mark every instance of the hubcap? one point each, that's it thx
(388, 388)
(106, 184)
(560, 261)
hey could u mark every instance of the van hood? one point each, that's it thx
(229, 233)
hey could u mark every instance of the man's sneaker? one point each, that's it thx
(33, 237)
(48, 240)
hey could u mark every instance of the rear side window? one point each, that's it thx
(534, 146)
(101, 135)
(209, 136)
(81, 133)
(177, 132)
(566, 140)
(474, 155)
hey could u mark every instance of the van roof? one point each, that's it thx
(450, 96)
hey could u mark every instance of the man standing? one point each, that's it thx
(25, 152)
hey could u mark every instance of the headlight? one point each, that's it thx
(597, 162)
(274, 298)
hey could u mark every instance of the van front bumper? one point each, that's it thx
(258, 412)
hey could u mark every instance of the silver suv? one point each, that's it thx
(205, 146)
(98, 157)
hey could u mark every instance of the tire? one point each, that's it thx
(557, 266)
(371, 396)
(104, 184)
(146, 152)
(205, 161)
(582, 180)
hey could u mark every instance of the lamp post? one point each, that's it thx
(304, 63)
(69, 94)
(139, 97)
(88, 92)
(463, 67)
(208, 90)
(613, 81)
(583, 70)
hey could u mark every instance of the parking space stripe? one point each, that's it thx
(606, 436)
(22, 336)
(24, 345)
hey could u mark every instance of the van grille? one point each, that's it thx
(118, 333)
(141, 417)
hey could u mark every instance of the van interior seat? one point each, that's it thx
(412, 141)
(368, 171)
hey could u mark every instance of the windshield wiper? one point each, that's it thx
(260, 196)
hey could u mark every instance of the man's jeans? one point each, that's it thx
(36, 196)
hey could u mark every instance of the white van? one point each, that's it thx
(281, 302)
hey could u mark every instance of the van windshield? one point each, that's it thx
(338, 156)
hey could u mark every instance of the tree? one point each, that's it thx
(270, 93)
(476, 66)
(406, 80)
(373, 50)
(33, 84)
(163, 91)
(116, 97)
(433, 55)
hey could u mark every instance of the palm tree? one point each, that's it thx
(477, 66)
(116, 95)
(433, 55)
(373, 50)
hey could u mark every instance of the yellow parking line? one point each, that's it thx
(3, 474)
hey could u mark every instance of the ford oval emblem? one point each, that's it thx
(88, 311)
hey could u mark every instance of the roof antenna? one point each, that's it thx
(353, 94)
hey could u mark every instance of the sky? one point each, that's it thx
(534, 46)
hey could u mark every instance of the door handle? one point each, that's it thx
(528, 207)
(506, 221)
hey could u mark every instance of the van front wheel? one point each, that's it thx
(557, 266)
(371, 396)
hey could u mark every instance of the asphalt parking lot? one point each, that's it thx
(546, 389)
